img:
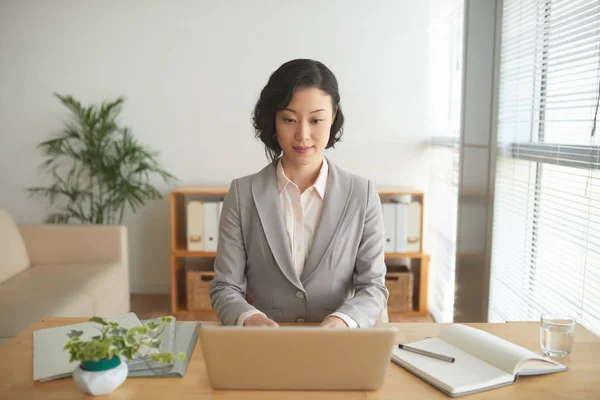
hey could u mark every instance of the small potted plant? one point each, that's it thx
(102, 367)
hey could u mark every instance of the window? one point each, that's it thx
(546, 225)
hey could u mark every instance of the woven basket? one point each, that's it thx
(197, 290)
(400, 286)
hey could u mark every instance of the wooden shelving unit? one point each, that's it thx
(419, 262)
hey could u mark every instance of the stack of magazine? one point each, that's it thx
(50, 361)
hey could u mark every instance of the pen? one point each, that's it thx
(427, 353)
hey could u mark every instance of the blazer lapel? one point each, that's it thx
(337, 195)
(270, 211)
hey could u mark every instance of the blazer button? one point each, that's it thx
(299, 294)
(299, 319)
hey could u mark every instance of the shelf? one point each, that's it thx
(186, 253)
(404, 255)
(223, 189)
(397, 190)
(217, 190)
(179, 253)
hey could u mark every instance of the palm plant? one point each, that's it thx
(97, 167)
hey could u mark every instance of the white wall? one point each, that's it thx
(191, 72)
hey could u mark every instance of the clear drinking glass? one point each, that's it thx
(557, 334)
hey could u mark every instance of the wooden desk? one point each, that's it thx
(582, 381)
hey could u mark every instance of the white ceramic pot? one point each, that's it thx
(102, 377)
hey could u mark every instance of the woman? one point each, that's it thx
(301, 240)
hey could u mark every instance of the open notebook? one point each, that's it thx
(184, 341)
(483, 361)
(167, 336)
(50, 361)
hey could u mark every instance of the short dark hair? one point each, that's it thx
(278, 92)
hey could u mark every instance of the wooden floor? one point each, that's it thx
(147, 306)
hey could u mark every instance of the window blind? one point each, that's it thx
(546, 224)
(445, 66)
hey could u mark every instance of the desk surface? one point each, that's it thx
(582, 381)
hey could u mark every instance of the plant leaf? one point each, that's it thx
(98, 320)
(74, 334)
(115, 331)
(98, 167)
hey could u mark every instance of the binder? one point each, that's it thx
(401, 237)
(211, 226)
(389, 222)
(195, 226)
(413, 227)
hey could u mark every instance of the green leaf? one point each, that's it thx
(57, 218)
(130, 339)
(74, 334)
(115, 331)
(152, 325)
(128, 353)
(98, 320)
(141, 330)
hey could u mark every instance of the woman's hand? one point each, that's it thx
(260, 320)
(334, 322)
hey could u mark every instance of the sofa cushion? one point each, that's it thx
(63, 290)
(13, 253)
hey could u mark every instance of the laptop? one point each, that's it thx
(296, 358)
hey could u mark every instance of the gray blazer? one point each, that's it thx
(344, 271)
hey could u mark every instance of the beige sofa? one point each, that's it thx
(60, 271)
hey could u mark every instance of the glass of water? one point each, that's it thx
(557, 334)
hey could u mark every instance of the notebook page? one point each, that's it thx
(50, 361)
(186, 337)
(168, 345)
(491, 348)
(186, 334)
(537, 367)
(466, 374)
